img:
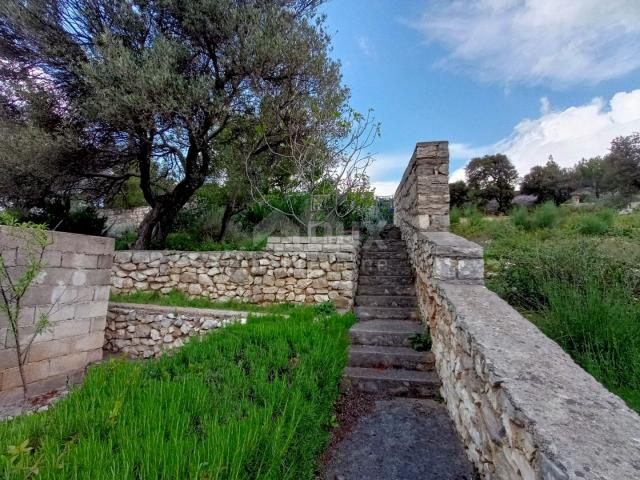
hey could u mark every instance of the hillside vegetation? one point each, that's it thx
(575, 273)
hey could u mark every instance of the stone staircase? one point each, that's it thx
(381, 359)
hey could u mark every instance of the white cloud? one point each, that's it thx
(365, 45)
(568, 135)
(386, 188)
(536, 41)
(457, 175)
(465, 152)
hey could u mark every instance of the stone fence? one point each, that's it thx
(522, 407)
(143, 331)
(291, 269)
(73, 289)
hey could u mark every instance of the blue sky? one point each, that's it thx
(530, 78)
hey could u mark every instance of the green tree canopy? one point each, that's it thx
(548, 183)
(492, 177)
(458, 193)
(160, 88)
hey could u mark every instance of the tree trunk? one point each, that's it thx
(157, 224)
(224, 224)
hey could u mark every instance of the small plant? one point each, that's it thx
(325, 309)
(14, 283)
(420, 342)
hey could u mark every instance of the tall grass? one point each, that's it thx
(251, 401)
(579, 283)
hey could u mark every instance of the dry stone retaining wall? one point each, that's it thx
(121, 220)
(522, 407)
(143, 331)
(291, 269)
(74, 289)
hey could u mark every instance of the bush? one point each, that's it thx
(56, 216)
(251, 401)
(474, 217)
(546, 215)
(598, 223)
(126, 240)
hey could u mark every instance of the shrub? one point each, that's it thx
(474, 217)
(546, 215)
(598, 223)
(126, 240)
(251, 401)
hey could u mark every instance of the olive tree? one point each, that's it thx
(161, 86)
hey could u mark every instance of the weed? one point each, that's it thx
(420, 342)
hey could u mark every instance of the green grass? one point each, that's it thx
(180, 299)
(575, 274)
(252, 401)
(189, 242)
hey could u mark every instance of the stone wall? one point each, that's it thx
(73, 289)
(422, 198)
(143, 331)
(291, 269)
(121, 220)
(522, 407)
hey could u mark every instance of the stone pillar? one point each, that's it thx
(422, 198)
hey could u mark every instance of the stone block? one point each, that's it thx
(91, 341)
(79, 260)
(69, 328)
(67, 363)
(46, 350)
(91, 309)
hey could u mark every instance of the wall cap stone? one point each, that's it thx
(202, 312)
(449, 244)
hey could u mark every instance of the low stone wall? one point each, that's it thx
(291, 269)
(522, 407)
(143, 331)
(73, 289)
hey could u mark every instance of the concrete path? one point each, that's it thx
(401, 439)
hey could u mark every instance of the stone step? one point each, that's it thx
(398, 248)
(386, 289)
(385, 280)
(399, 254)
(386, 313)
(385, 267)
(396, 382)
(372, 356)
(386, 300)
(388, 269)
(389, 333)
